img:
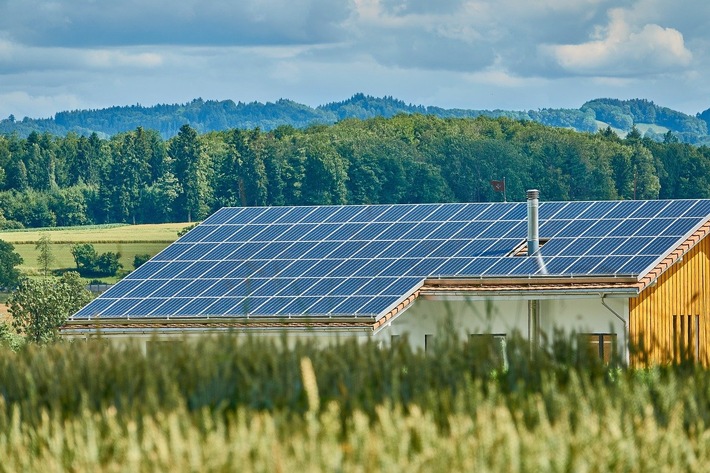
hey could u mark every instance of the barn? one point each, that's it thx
(616, 273)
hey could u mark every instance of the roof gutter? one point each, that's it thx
(526, 294)
(186, 325)
(626, 328)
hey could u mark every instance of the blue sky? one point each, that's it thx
(479, 54)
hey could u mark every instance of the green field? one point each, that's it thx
(128, 240)
(231, 404)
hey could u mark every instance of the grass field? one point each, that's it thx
(229, 404)
(128, 240)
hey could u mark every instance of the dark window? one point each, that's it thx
(428, 342)
(491, 346)
(686, 337)
(601, 345)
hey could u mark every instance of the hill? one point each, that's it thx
(212, 115)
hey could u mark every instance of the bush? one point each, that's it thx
(107, 263)
(89, 263)
(186, 229)
(138, 260)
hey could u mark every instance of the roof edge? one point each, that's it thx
(392, 313)
(529, 280)
(674, 256)
(216, 321)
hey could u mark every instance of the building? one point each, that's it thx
(614, 272)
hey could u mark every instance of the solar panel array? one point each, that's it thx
(327, 261)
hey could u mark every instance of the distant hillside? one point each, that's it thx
(212, 115)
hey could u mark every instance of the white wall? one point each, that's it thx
(144, 338)
(425, 317)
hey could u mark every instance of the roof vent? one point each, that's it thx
(533, 227)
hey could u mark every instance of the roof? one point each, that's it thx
(365, 263)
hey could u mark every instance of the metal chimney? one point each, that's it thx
(533, 247)
(533, 226)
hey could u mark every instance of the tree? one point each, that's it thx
(85, 256)
(158, 199)
(139, 260)
(9, 338)
(9, 275)
(90, 263)
(39, 307)
(191, 169)
(45, 258)
(107, 263)
(128, 174)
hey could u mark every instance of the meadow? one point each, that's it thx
(128, 240)
(248, 404)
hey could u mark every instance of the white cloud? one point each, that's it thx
(37, 105)
(105, 58)
(622, 49)
(17, 58)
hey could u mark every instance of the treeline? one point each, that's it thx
(213, 115)
(137, 177)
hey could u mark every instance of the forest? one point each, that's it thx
(652, 120)
(139, 177)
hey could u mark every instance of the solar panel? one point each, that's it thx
(597, 210)
(360, 260)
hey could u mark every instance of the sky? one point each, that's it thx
(474, 54)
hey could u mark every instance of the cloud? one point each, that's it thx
(17, 58)
(622, 49)
(90, 23)
(37, 105)
(419, 35)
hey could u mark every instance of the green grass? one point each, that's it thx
(129, 240)
(63, 258)
(658, 129)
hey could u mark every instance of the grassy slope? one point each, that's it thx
(129, 240)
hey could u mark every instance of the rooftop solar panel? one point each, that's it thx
(360, 260)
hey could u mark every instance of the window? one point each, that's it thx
(491, 346)
(601, 345)
(428, 342)
(686, 337)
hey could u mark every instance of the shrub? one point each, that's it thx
(138, 260)
(90, 263)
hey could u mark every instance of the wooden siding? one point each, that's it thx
(669, 318)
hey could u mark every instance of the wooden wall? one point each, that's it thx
(669, 319)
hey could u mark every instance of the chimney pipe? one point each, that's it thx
(533, 247)
(533, 230)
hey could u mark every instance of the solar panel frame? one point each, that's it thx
(597, 210)
(444, 213)
(701, 209)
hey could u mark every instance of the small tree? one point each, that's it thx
(90, 263)
(85, 257)
(138, 260)
(39, 307)
(107, 263)
(9, 275)
(45, 258)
